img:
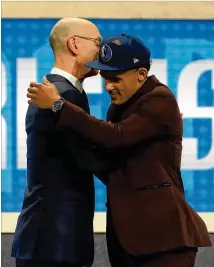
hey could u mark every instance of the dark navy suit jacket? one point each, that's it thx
(56, 221)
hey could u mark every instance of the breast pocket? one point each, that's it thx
(153, 186)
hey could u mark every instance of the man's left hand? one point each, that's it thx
(42, 95)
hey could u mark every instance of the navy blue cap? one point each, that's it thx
(121, 52)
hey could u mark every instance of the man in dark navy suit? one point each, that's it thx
(55, 227)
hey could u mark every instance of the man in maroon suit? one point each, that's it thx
(149, 223)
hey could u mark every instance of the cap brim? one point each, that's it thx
(99, 66)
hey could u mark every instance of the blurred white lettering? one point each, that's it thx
(188, 103)
(26, 71)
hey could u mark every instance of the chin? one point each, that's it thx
(115, 102)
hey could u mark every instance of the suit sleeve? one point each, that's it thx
(82, 151)
(151, 119)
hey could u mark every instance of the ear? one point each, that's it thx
(142, 74)
(72, 46)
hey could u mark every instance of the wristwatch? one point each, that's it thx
(58, 104)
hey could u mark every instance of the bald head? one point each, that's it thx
(67, 27)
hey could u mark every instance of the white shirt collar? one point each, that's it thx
(72, 79)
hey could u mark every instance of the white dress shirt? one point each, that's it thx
(69, 77)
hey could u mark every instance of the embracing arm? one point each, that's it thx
(150, 120)
(76, 146)
(157, 114)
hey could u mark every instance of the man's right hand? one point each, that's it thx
(42, 95)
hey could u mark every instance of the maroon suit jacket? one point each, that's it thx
(149, 210)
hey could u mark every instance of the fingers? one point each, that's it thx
(30, 95)
(35, 84)
(32, 90)
(31, 101)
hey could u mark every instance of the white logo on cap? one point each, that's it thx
(135, 60)
(105, 53)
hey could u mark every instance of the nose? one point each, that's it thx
(109, 85)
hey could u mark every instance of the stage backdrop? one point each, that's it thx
(183, 58)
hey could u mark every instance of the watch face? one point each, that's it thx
(57, 105)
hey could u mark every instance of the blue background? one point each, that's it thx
(167, 38)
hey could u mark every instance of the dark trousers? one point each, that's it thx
(118, 257)
(38, 263)
(184, 257)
